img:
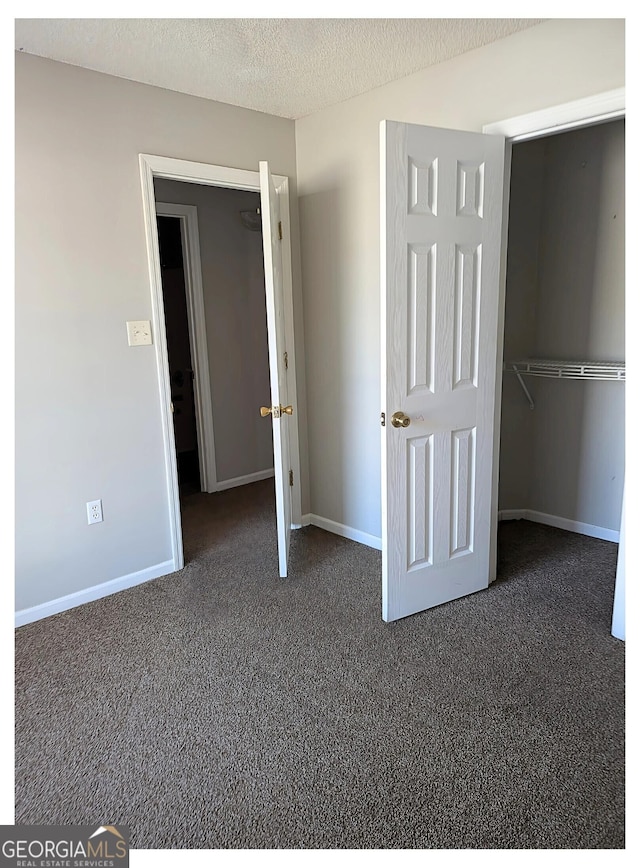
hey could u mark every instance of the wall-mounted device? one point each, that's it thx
(139, 332)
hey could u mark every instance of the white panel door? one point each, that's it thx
(441, 238)
(280, 410)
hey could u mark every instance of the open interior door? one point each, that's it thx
(442, 200)
(280, 409)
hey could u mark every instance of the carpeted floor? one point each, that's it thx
(222, 707)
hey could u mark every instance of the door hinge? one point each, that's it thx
(286, 361)
(291, 477)
(280, 229)
(383, 419)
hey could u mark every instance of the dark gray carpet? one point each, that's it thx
(222, 707)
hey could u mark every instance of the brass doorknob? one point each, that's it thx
(276, 412)
(399, 420)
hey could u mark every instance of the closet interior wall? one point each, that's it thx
(565, 301)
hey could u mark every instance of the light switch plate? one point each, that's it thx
(139, 332)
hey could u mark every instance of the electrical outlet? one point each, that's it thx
(94, 511)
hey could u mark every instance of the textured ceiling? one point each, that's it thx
(288, 67)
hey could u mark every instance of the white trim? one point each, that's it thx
(153, 166)
(512, 514)
(562, 523)
(367, 539)
(618, 626)
(497, 414)
(236, 481)
(591, 110)
(204, 173)
(188, 216)
(88, 595)
(162, 361)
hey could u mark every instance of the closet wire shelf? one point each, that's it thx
(564, 370)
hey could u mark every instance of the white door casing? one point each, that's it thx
(194, 292)
(274, 286)
(441, 220)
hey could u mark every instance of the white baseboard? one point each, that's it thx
(563, 523)
(87, 595)
(359, 536)
(244, 480)
(512, 514)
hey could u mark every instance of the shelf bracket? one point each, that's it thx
(532, 406)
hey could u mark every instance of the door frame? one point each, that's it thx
(596, 109)
(188, 217)
(170, 168)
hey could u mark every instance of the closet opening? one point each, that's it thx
(563, 396)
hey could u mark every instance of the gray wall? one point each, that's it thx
(236, 323)
(566, 458)
(88, 420)
(339, 196)
(521, 308)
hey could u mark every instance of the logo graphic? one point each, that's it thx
(102, 829)
(64, 846)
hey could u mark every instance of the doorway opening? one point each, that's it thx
(181, 373)
(233, 380)
(270, 193)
